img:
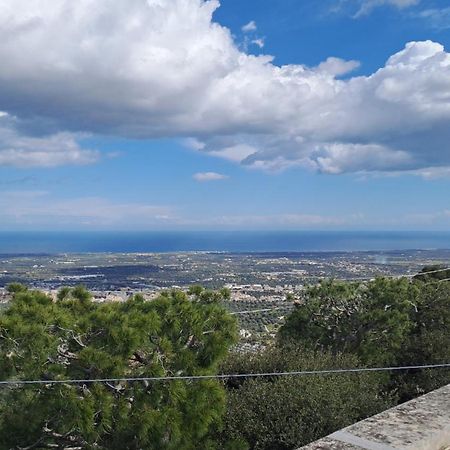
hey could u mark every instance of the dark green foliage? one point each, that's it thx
(13, 288)
(225, 293)
(281, 413)
(195, 290)
(433, 273)
(371, 320)
(383, 322)
(74, 338)
(429, 341)
(198, 294)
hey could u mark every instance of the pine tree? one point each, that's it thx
(76, 338)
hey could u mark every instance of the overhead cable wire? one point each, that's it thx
(225, 376)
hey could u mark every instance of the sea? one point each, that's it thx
(21, 242)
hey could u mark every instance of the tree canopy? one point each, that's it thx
(75, 338)
(384, 322)
(371, 320)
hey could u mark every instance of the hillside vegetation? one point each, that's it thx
(385, 322)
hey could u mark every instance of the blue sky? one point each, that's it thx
(180, 127)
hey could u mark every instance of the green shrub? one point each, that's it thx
(281, 413)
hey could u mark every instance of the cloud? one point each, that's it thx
(250, 26)
(169, 70)
(22, 181)
(209, 176)
(258, 42)
(36, 208)
(367, 6)
(430, 218)
(432, 173)
(437, 18)
(22, 150)
(397, 119)
(40, 209)
(337, 66)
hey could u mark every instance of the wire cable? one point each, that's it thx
(225, 376)
(428, 272)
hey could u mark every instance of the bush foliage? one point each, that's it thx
(281, 413)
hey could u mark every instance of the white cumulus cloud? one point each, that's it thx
(169, 70)
(209, 176)
(337, 66)
(22, 150)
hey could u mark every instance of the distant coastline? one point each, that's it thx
(220, 241)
